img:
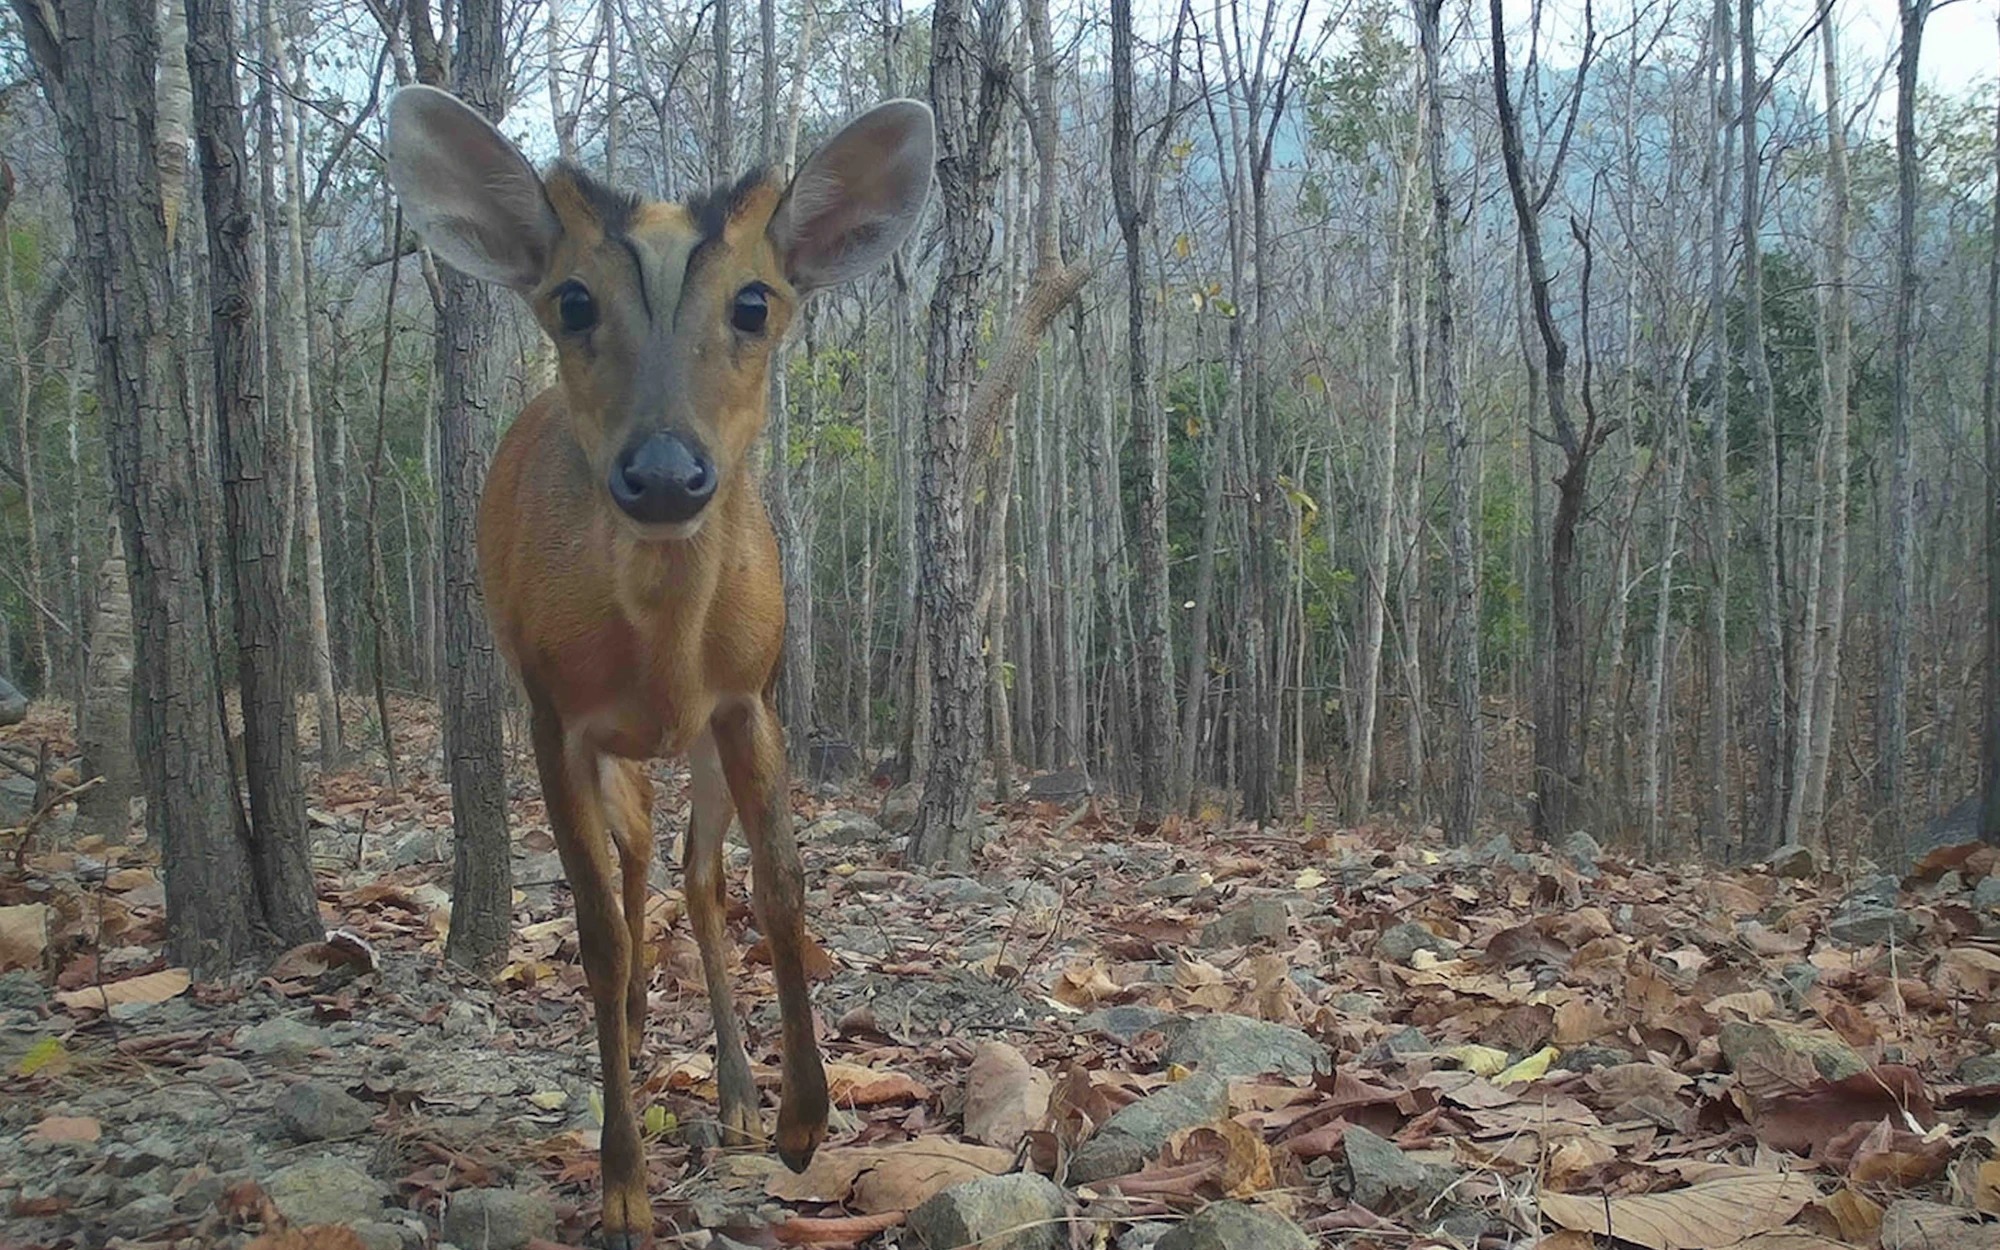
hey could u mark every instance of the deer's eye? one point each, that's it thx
(750, 309)
(575, 308)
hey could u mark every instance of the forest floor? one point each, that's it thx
(1209, 1037)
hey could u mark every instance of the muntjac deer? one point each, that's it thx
(628, 566)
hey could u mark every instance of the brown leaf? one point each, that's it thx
(153, 987)
(1004, 1096)
(24, 936)
(311, 1237)
(1700, 1217)
(1242, 1161)
(67, 1128)
(1807, 1123)
(1858, 1216)
(1984, 1188)
(905, 1175)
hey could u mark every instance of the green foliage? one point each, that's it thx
(1350, 103)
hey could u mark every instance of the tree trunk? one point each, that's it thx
(468, 385)
(966, 94)
(721, 100)
(1715, 784)
(106, 737)
(299, 401)
(1826, 573)
(254, 458)
(96, 61)
(1892, 705)
(1462, 647)
(24, 391)
(1990, 406)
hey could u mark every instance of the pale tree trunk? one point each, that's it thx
(298, 356)
(176, 108)
(1826, 568)
(106, 737)
(254, 452)
(1767, 823)
(1990, 406)
(609, 32)
(1892, 704)
(967, 102)
(796, 693)
(1715, 782)
(1653, 765)
(1462, 621)
(721, 100)
(767, 97)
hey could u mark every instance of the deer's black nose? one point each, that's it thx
(662, 477)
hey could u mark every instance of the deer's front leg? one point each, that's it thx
(571, 789)
(753, 757)
(710, 809)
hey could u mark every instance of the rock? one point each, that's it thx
(467, 1019)
(1354, 1003)
(1831, 1057)
(1498, 852)
(1004, 1095)
(1979, 1070)
(1795, 861)
(497, 1219)
(22, 990)
(1124, 1022)
(1867, 924)
(1797, 981)
(1257, 920)
(1986, 895)
(1955, 828)
(831, 758)
(1880, 890)
(899, 809)
(1387, 1181)
(1179, 885)
(142, 1156)
(1235, 1226)
(1145, 1235)
(223, 1071)
(1591, 1058)
(316, 1111)
(420, 846)
(958, 891)
(1239, 1046)
(1582, 850)
(1401, 943)
(284, 1039)
(1019, 1211)
(842, 829)
(1068, 785)
(13, 704)
(199, 1194)
(325, 1190)
(1408, 1040)
(379, 1235)
(141, 1216)
(1136, 1133)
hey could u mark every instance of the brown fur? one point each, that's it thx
(634, 644)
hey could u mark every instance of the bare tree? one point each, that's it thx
(1990, 407)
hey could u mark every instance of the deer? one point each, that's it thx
(629, 570)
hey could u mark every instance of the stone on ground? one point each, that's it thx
(497, 1219)
(1019, 1211)
(1235, 1226)
(1138, 1132)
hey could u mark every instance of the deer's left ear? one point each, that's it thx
(858, 197)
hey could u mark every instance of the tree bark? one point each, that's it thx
(96, 60)
(254, 456)
(1990, 406)
(106, 734)
(967, 87)
(1715, 782)
(1893, 703)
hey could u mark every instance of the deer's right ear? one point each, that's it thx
(468, 192)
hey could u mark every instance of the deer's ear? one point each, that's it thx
(468, 192)
(858, 197)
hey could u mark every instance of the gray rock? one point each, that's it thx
(21, 990)
(325, 1190)
(1879, 890)
(200, 1195)
(1582, 850)
(467, 1019)
(1019, 1211)
(1408, 1040)
(959, 891)
(1138, 1132)
(1179, 885)
(141, 1216)
(1255, 920)
(149, 1152)
(1866, 924)
(1235, 1226)
(1591, 1058)
(420, 846)
(1145, 1235)
(899, 809)
(284, 1039)
(1354, 1003)
(1797, 981)
(224, 1071)
(1498, 852)
(1123, 1022)
(497, 1219)
(1387, 1181)
(1401, 943)
(1239, 1046)
(316, 1111)
(380, 1235)
(1795, 861)
(1986, 895)
(1979, 1070)
(1955, 828)
(842, 829)
(1832, 1058)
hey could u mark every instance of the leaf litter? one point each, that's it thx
(1492, 1045)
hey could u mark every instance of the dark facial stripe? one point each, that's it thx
(615, 209)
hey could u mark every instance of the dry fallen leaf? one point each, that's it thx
(67, 1128)
(1241, 1159)
(153, 987)
(873, 1179)
(1700, 1217)
(1004, 1096)
(852, 1085)
(24, 935)
(311, 1237)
